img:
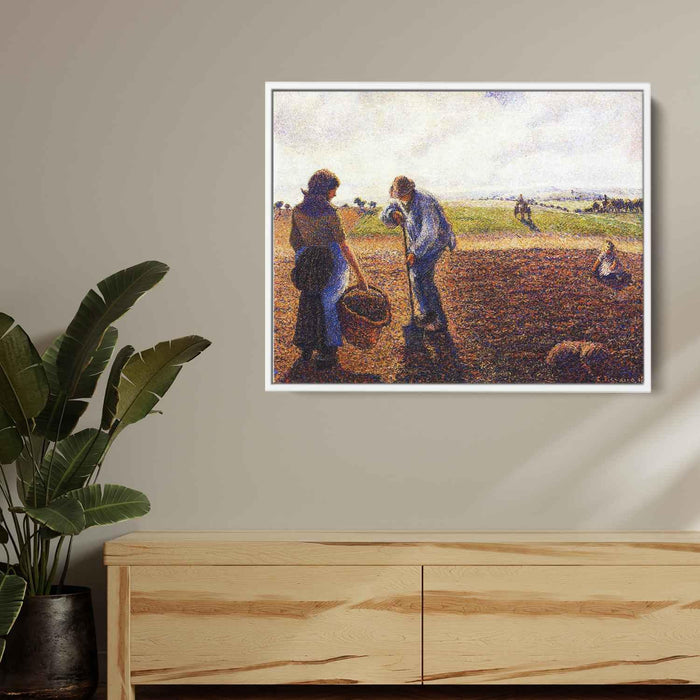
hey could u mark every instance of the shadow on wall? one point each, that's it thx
(641, 474)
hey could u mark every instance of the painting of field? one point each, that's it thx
(511, 295)
(459, 237)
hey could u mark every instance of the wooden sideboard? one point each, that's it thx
(398, 607)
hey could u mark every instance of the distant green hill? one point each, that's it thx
(497, 217)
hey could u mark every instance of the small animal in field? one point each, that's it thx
(580, 361)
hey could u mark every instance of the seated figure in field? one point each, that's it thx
(608, 267)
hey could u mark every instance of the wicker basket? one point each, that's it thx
(358, 329)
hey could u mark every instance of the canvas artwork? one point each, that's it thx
(458, 237)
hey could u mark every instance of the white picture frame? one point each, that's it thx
(639, 386)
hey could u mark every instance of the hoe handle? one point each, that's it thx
(408, 271)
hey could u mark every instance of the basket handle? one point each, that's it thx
(369, 286)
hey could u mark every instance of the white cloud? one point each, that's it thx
(457, 143)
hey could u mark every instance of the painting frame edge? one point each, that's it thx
(644, 387)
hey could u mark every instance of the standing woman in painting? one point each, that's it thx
(321, 273)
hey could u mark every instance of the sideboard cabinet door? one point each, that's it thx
(275, 624)
(562, 624)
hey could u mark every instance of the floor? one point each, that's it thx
(433, 693)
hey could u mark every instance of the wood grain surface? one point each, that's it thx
(118, 633)
(258, 624)
(562, 625)
(403, 548)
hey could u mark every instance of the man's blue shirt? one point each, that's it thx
(428, 230)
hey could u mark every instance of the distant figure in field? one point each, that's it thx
(429, 234)
(608, 267)
(522, 209)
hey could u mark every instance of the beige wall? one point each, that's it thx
(134, 130)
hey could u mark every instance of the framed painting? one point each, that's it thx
(458, 237)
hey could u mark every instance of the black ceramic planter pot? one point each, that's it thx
(51, 651)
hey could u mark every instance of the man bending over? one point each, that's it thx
(429, 234)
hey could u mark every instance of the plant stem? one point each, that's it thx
(44, 565)
(26, 558)
(6, 525)
(96, 473)
(54, 566)
(5, 492)
(7, 487)
(8, 499)
(22, 544)
(45, 440)
(20, 540)
(65, 566)
(53, 452)
(19, 546)
(97, 462)
(29, 447)
(35, 556)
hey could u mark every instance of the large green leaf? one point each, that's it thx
(148, 375)
(23, 384)
(12, 590)
(64, 515)
(66, 466)
(48, 359)
(117, 294)
(47, 422)
(109, 409)
(10, 439)
(91, 374)
(63, 410)
(109, 504)
(58, 409)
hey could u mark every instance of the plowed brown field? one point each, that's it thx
(507, 307)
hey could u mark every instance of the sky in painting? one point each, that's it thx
(458, 144)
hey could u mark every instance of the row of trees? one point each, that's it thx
(606, 204)
(617, 204)
(364, 207)
(361, 204)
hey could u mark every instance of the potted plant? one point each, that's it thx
(51, 651)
